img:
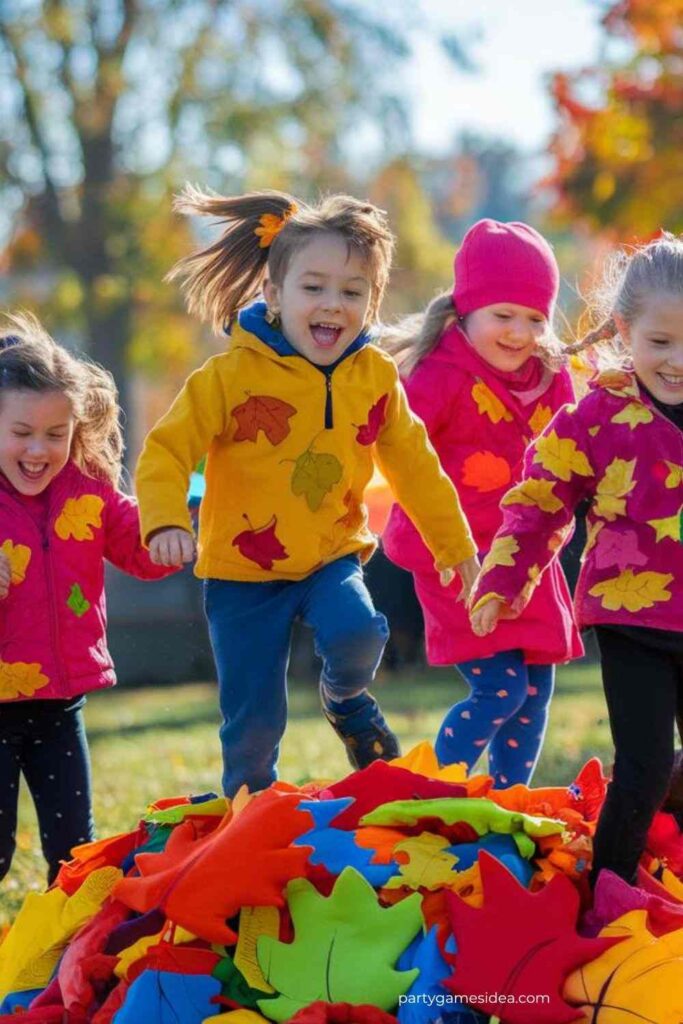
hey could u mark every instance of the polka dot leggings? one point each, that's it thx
(506, 712)
(45, 740)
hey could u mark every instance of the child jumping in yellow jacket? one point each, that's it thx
(292, 416)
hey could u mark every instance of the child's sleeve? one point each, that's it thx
(173, 448)
(412, 468)
(538, 512)
(123, 545)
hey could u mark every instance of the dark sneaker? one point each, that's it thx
(364, 732)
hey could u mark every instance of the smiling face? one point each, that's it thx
(323, 299)
(505, 334)
(656, 341)
(36, 430)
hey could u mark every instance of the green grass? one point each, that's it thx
(158, 742)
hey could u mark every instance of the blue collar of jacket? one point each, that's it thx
(253, 319)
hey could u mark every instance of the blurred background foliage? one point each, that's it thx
(106, 108)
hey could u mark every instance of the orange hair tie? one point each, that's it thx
(270, 225)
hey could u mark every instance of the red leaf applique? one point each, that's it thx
(261, 545)
(263, 412)
(519, 944)
(367, 434)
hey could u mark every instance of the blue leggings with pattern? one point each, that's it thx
(506, 711)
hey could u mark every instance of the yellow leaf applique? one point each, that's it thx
(558, 538)
(430, 864)
(78, 516)
(611, 492)
(561, 457)
(18, 556)
(633, 413)
(675, 477)
(633, 591)
(670, 526)
(540, 419)
(591, 537)
(20, 679)
(501, 553)
(539, 493)
(489, 404)
(594, 431)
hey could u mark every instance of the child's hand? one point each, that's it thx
(467, 571)
(5, 575)
(485, 619)
(171, 546)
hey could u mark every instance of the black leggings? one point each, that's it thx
(46, 741)
(644, 692)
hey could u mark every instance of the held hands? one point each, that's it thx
(5, 575)
(171, 546)
(485, 619)
(467, 571)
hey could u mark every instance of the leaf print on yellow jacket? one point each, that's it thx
(20, 679)
(348, 422)
(611, 492)
(559, 455)
(79, 516)
(18, 556)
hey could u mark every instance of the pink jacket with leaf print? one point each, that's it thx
(53, 621)
(617, 449)
(480, 431)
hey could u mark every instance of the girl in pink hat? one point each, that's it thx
(485, 373)
(621, 447)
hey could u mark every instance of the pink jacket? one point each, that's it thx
(53, 621)
(617, 449)
(480, 431)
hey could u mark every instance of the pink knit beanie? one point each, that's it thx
(505, 263)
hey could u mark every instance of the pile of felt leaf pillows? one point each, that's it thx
(404, 891)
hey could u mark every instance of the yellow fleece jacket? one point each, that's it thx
(289, 454)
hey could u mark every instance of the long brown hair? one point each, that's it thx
(30, 360)
(263, 231)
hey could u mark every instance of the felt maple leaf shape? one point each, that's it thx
(486, 471)
(341, 1013)
(367, 434)
(344, 949)
(261, 544)
(382, 783)
(314, 476)
(266, 413)
(637, 980)
(246, 861)
(519, 943)
(18, 556)
(488, 404)
(78, 517)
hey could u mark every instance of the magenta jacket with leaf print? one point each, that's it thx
(615, 448)
(53, 621)
(480, 431)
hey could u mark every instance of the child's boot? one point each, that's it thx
(362, 728)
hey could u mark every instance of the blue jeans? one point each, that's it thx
(250, 626)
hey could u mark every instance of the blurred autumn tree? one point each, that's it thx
(107, 107)
(617, 150)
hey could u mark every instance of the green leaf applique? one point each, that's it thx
(77, 601)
